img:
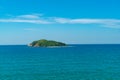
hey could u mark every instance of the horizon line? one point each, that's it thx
(67, 44)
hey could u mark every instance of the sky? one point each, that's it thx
(69, 21)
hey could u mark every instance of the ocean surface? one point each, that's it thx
(75, 62)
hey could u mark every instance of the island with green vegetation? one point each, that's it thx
(46, 43)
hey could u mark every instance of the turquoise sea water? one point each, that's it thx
(78, 62)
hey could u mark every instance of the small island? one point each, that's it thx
(46, 43)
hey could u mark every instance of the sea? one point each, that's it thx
(74, 62)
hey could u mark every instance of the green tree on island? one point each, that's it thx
(46, 43)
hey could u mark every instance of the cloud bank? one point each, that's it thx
(40, 19)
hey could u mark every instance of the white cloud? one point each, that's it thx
(30, 16)
(25, 21)
(33, 18)
(39, 19)
(112, 23)
(86, 21)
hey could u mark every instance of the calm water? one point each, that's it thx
(80, 62)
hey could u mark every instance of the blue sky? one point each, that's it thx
(69, 21)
